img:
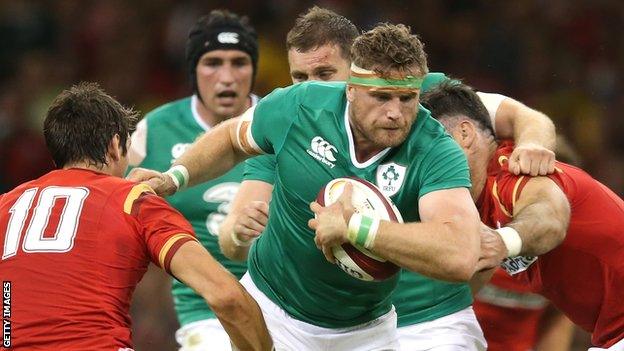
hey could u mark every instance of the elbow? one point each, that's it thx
(464, 267)
(228, 303)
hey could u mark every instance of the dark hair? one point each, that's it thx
(390, 48)
(318, 27)
(82, 121)
(453, 99)
(204, 36)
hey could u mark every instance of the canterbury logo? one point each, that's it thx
(323, 148)
(322, 151)
(228, 38)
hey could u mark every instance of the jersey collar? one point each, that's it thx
(354, 160)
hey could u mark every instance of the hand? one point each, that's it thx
(493, 249)
(331, 222)
(251, 221)
(161, 183)
(533, 159)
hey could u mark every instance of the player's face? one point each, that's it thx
(382, 117)
(224, 81)
(323, 63)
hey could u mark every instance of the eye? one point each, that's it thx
(298, 78)
(326, 75)
(212, 62)
(382, 97)
(407, 98)
(241, 62)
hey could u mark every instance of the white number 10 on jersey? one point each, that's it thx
(63, 238)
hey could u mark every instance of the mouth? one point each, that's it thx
(227, 97)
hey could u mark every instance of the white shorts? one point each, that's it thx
(207, 334)
(618, 346)
(457, 331)
(290, 334)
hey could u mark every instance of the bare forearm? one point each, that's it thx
(529, 126)
(226, 243)
(245, 324)
(446, 251)
(541, 216)
(238, 312)
(540, 229)
(246, 220)
(213, 154)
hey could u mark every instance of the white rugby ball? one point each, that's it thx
(368, 200)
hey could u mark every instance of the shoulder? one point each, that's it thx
(432, 79)
(165, 111)
(124, 194)
(311, 94)
(428, 133)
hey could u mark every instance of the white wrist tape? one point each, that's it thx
(240, 243)
(512, 240)
(362, 230)
(180, 176)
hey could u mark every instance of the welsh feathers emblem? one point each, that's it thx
(390, 178)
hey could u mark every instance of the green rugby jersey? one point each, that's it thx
(306, 127)
(171, 129)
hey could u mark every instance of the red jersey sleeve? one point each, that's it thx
(162, 228)
(507, 189)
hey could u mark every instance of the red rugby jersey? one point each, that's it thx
(510, 318)
(584, 276)
(75, 245)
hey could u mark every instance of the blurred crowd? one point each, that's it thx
(565, 58)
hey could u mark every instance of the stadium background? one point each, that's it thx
(565, 58)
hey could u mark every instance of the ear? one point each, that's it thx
(115, 151)
(350, 93)
(465, 134)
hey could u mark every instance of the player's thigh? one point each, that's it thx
(202, 335)
(457, 331)
(290, 334)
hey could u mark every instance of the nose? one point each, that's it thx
(393, 109)
(226, 74)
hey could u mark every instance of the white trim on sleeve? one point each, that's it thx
(491, 101)
(138, 144)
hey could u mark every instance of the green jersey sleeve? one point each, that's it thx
(444, 167)
(273, 117)
(260, 168)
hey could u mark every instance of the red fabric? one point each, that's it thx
(584, 276)
(506, 328)
(79, 299)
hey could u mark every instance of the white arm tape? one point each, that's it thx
(179, 175)
(492, 102)
(512, 240)
(244, 138)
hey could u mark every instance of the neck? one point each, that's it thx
(478, 163)
(90, 166)
(364, 147)
(211, 118)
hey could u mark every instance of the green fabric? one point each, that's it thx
(171, 128)
(285, 263)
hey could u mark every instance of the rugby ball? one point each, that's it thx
(368, 200)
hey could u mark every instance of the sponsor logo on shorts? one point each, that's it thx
(515, 265)
(322, 151)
